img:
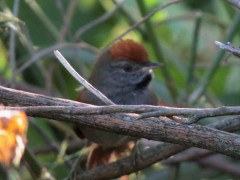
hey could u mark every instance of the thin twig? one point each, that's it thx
(234, 3)
(73, 146)
(149, 15)
(229, 48)
(129, 17)
(46, 21)
(80, 79)
(47, 51)
(205, 158)
(191, 154)
(59, 5)
(203, 85)
(193, 56)
(35, 168)
(67, 19)
(158, 51)
(95, 22)
(221, 163)
(43, 135)
(26, 87)
(12, 43)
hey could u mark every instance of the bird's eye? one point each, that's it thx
(127, 68)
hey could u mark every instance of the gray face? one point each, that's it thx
(129, 73)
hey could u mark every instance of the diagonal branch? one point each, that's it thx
(149, 15)
(41, 54)
(145, 158)
(12, 43)
(230, 48)
(234, 3)
(80, 79)
(127, 166)
(95, 22)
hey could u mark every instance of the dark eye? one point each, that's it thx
(127, 68)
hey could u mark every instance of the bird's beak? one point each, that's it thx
(151, 65)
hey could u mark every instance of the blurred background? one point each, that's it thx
(196, 73)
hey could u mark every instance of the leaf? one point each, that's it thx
(13, 129)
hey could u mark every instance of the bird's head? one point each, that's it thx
(124, 64)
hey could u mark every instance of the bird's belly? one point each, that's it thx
(105, 139)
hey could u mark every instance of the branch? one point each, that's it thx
(221, 164)
(72, 146)
(209, 74)
(152, 128)
(67, 19)
(80, 79)
(12, 43)
(39, 55)
(156, 46)
(191, 154)
(147, 111)
(194, 114)
(235, 3)
(127, 166)
(229, 125)
(95, 22)
(193, 53)
(149, 15)
(25, 87)
(230, 48)
(147, 157)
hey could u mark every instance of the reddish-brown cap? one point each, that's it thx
(129, 50)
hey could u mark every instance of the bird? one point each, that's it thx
(123, 73)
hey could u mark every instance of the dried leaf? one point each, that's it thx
(13, 129)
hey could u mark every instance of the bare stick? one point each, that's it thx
(44, 106)
(190, 113)
(146, 158)
(220, 163)
(12, 54)
(149, 15)
(80, 79)
(47, 51)
(95, 22)
(67, 20)
(235, 3)
(230, 48)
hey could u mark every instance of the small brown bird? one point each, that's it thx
(122, 73)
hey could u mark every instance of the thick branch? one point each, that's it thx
(152, 128)
(149, 156)
(192, 114)
(127, 165)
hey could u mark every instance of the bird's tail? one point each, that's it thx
(100, 155)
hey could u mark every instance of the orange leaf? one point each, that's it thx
(13, 129)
